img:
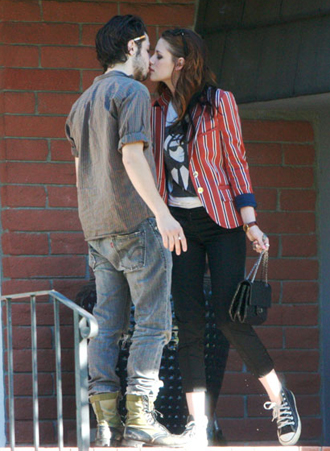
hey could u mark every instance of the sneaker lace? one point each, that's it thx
(282, 413)
(193, 427)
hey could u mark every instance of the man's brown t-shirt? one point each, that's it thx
(113, 112)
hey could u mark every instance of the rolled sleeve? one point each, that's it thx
(74, 150)
(245, 200)
(134, 118)
(133, 138)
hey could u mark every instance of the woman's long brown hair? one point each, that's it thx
(195, 76)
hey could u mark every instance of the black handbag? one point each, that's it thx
(252, 298)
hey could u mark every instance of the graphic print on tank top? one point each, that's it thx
(176, 160)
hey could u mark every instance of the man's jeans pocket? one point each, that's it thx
(131, 249)
(94, 258)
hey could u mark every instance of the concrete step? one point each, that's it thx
(210, 448)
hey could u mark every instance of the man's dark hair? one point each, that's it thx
(112, 39)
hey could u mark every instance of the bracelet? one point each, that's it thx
(247, 226)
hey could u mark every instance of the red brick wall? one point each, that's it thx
(48, 59)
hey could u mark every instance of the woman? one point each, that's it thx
(202, 170)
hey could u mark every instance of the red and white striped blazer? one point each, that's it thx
(218, 166)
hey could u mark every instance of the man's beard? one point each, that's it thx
(140, 72)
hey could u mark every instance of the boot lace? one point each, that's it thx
(282, 413)
(151, 413)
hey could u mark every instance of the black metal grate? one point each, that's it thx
(171, 400)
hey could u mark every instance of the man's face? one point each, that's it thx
(141, 61)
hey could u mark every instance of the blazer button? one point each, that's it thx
(200, 189)
(195, 174)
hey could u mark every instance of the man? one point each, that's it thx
(129, 230)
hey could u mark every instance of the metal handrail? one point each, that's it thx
(85, 327)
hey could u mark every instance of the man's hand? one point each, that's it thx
(172, 233)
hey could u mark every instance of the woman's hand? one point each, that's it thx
(260, 241)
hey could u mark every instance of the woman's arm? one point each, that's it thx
(235, 163)
(237, 168)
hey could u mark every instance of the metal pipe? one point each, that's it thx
(81, 378)
(91, 328)
(10, 374)
(59, 395)
(36, 438)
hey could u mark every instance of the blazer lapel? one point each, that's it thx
(197, 117)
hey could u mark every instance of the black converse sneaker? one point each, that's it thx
(287, 417)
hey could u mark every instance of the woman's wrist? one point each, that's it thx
(248, 214)
(247, 226)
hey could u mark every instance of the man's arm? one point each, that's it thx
(139, 172)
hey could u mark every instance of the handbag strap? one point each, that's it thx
(264, 272)
(264, 268)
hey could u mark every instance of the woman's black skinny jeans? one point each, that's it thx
(226, 252)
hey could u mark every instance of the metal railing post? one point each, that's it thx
(36, 438)
(59, 395)
(81, 380)
(10, 374)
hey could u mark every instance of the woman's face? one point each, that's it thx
(161, 63)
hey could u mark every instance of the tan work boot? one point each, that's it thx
(109, 425)
(143, 428)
